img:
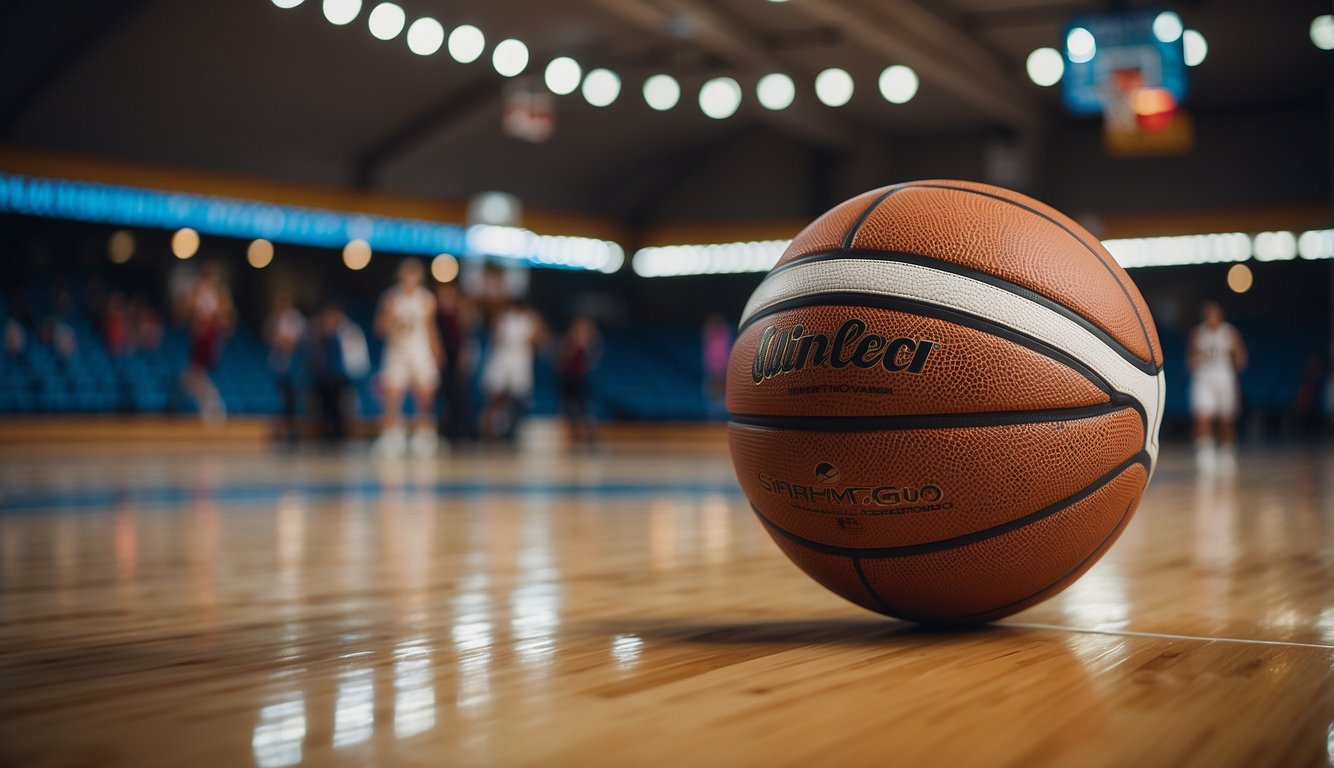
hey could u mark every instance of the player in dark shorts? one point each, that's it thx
(578, 352)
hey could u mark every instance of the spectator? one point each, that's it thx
(575, 357)
(208, 315)
(1310, 396)
(145, 324)
(326, 364)
(455, 319)
(283, 331)
(116, 325)
(60, 336)
(16, 339)
(717, 342)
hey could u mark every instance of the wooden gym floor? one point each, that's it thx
(192, 607)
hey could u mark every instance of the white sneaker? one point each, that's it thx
(425, 442)
(213, 413)
(1227, 460)
(392, 443)
(1206, 455)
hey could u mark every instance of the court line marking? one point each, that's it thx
(112, 497)
(1166, 635)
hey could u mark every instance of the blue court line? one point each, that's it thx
(94, 498)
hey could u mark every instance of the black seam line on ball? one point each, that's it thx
(1117, 404)
(870, 589)
(1124, 290)
(851, 234)
(909, 550)
(1097, 552)
(1146, 366)
(912, 306)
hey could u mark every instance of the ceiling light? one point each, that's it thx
(601, 87)
(1080, 46)
(662, 92)
(466, 44)
(775, 91)
(1167, 27)
(1045, 66)
(563, 75)
(185, 243)
(341, 12)
(510, 57)
(357, 254)
(386, 21)
(833, 87)
(720, 97)
(444, 268)
(425, 36)
(1240, 278)
(1196, 48)
(120, 246)
(259, 253)
(1322, 32)
(898, 84)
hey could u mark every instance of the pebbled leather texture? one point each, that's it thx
(927, 514)
(1009, 235)
(827, 232)
(988, 476)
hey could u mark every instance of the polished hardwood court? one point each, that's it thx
(177, 605)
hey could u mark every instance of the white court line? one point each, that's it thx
(1166, 636)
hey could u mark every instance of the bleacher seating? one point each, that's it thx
(645, 374)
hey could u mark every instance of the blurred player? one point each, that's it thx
(578, 351)
(508, 375)
(412, 357)
(717, 343)
(1215, 357)
(284, 330)
(326, 363)
(208, 313)
(454, 322)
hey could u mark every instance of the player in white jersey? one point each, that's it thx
(1216, 355)
(507, 377)
(412, 358)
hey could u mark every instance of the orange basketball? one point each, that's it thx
(945, 401)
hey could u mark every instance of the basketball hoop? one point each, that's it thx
(1135, 80)
(530, 113)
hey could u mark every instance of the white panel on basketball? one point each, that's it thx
(973, 297)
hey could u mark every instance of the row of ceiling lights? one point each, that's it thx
(719, 97)
(1046, 66)
(760, 256)
(185, 243)
(501, 242)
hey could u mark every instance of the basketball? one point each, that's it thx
(944, 401)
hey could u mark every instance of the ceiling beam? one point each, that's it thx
(699, 23)
(902, 31)
(435, 119)
(88, 36)
(483, 92)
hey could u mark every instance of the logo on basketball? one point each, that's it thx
(787, 350)
(871, 500)
(827, 474)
